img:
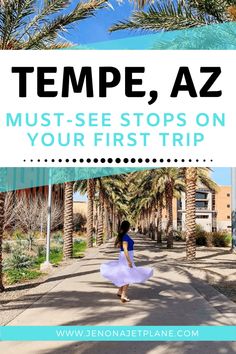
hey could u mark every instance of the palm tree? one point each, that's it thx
(33, 24)
(160, 206)
(193, 176)
(170, 183)
(68, 220)
(88, 187)
(191, 182)
(100, 217)
(180, 14)
(109, 195)
(151, 187)
(2, 201)
(90, 205)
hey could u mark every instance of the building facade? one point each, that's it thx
(80, 207)
(213, 209)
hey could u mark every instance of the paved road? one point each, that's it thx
(80, 296)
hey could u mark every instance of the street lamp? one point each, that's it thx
(47, 265)
(233, 206)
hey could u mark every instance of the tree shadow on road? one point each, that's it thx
(143, 348)
(162, 301)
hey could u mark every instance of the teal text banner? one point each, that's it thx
(118, 333)
(21, 178)
(210, 37)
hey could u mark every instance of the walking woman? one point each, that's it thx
(123, 272)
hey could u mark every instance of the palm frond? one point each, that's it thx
(215, 8)
(142, 3)
(59, 45)
(24, 24)
(164, 16)
(49, 8)
(50, 30)
(52, 6)
(12, 18)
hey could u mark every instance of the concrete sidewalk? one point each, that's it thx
(80, 296)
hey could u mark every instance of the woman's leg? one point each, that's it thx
(120, 289)
(124, 291)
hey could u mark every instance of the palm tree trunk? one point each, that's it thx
(68, 221)
(145, 223)
(111, 221)
(191, 181)
(150, 223)
(95, 217)
(2, 201)
(101, 219)
(159, 223)
(90, 194)
(107, 230)
(118, 217)
(169, 201)
(153, 224)
(141, 223)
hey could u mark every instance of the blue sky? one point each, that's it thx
(95, 29)
(222, 176)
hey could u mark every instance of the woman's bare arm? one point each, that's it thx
(126, 252)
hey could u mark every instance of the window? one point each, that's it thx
(202, 216)
(213, 200)
(201, 204)
(201, 195)
(179, 204)
(228, 205)
(228, 217)
(228, 194)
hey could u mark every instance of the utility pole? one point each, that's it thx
(47, 265)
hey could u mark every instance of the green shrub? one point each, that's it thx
(177, 235)
(183, 235)
(56, 255)
(78, 247)
(212, 239)
(14, 276)
(58, 237)
(6, 247)
(31, 240)
(221, 239)
(18, 259)
(40, 250)
(77, 241)
(201, 236)
(18, 235)
(229, 239)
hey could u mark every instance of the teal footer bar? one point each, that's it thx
(118, 333)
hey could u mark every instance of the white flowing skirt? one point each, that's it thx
(119, 273)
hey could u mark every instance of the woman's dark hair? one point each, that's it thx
(124, 228)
